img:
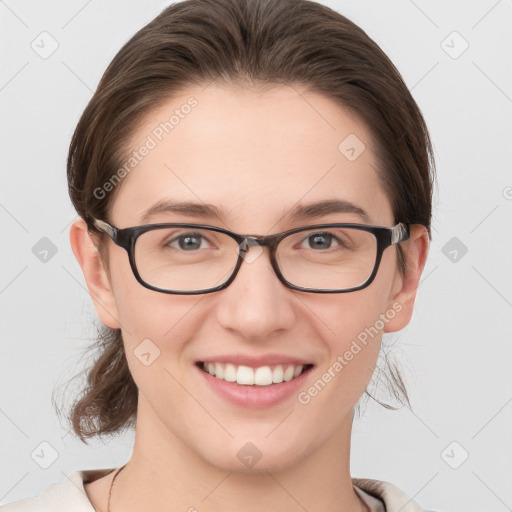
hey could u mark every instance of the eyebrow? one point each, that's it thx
(300, 212)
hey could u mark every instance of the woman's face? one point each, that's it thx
(254, 156)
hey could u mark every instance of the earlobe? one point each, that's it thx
(415, 252)
(96, 277)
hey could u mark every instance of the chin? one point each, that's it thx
(251, 457)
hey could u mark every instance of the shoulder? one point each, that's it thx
(393, 498)
(68, 494)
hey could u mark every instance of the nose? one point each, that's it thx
(256, 305)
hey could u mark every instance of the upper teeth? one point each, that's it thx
(262, 376)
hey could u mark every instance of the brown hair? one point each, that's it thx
(249, 43)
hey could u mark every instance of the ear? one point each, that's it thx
(96, 276)
(402, 300)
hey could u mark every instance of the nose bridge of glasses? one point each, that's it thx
(257, 243)
(251, 241)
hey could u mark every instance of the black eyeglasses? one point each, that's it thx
(191, 259)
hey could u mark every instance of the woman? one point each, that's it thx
(253, 181)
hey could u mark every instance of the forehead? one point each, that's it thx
(253, 153)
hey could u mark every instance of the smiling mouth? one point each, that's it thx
(247, 376)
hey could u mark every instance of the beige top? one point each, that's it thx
(69, 495)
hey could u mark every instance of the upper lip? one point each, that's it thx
(256, 361)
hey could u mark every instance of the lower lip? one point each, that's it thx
(254, 397)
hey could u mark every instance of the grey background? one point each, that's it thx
(456, 353)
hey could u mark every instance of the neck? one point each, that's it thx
(166, 474)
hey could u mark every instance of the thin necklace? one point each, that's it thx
(112, 485)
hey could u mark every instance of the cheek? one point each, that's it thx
(353, 339)
(353, 325)
(155, 326)
(355, 329)
(145, 313)
(167, 321)
(157, 329)
(359, 315)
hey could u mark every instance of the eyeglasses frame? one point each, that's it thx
(126, 238)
